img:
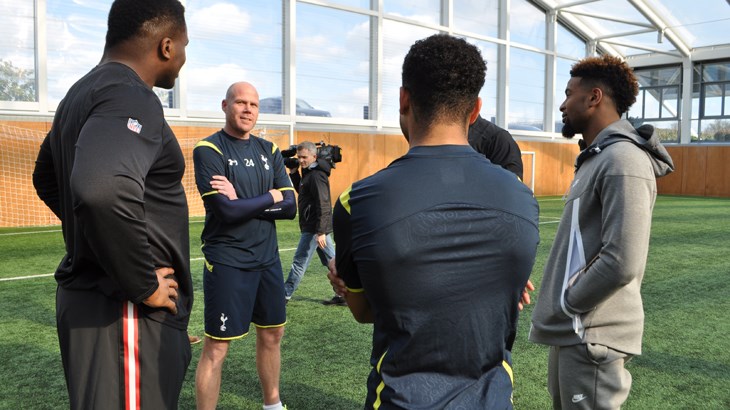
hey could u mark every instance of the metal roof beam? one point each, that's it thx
(609, 18)
(572, 4)
(640, 47)
(626, 33)
(661, 25)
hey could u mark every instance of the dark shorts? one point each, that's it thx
(114, 357)
(235, 298)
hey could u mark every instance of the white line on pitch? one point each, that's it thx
(29, 232)
(44, 275)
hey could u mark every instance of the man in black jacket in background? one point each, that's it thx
(315, 216)
(496, 144)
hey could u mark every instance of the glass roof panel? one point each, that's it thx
(700, 26)
(634, 27)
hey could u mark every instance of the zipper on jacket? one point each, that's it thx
(575, 263)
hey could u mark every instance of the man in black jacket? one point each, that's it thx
(496, 144)
(315, 216)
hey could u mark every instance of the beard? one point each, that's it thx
(568, 131)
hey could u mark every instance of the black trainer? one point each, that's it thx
(336, 300)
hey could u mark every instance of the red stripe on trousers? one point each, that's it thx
(131, 356)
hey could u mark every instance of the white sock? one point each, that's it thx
(276, 406)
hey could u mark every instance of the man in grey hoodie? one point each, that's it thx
(589, 308)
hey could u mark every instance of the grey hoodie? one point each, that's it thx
(590, 291)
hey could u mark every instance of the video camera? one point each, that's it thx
(330, 153)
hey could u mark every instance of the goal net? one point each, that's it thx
(19, 204)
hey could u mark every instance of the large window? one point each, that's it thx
(569, 48)
(562, 76)
(711, 102)
(17, 52)
(397, 40)
(489, 91)
(658, 101)
(230, 42)
(424, 11)
(333, 62)
(527, 24)
(477, 16)
(76, 35)
(526, 90)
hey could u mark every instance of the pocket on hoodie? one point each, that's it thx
(596, 353)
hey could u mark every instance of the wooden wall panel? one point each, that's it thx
(694, 170)
(527, 164)
(672, 184)
(717, 177)
(553, 165)
(699, 169)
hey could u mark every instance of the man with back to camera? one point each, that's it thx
(315, 217)
(111, 170)
(589, 309)
(242, 277)
(424, 267)
(496, 144)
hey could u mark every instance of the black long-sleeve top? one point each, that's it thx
(111, 169)
(496, 144)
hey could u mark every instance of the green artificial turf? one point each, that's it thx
(685, 363)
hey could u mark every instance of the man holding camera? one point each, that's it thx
(315, 215)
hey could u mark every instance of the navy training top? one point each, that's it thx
(253, 166)
(443, 268)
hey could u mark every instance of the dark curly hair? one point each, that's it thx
(443, 75)
(612, 75)
(132, 18)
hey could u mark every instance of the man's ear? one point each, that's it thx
(596, 97)
(475, 111)
(405, 101)
(166, 48)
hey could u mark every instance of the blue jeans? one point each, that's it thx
(303, 255)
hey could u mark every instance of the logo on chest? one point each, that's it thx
(249, 162)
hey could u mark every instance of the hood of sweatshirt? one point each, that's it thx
(319, 165)
(644, 137)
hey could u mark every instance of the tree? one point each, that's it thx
(16, 84)
(719, 130)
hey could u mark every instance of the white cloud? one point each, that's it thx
(216, 77)
(219, 19)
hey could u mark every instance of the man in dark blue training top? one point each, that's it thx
(436, 249)
(111, 169)
(242, 278)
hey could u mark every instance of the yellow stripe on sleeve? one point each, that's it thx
(508, 368)
(203, 143)
(345, 199)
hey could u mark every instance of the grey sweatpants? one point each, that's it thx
(588, 376)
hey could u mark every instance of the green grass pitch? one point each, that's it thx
(685, 364)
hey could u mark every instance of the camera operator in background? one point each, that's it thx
(315, 215)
